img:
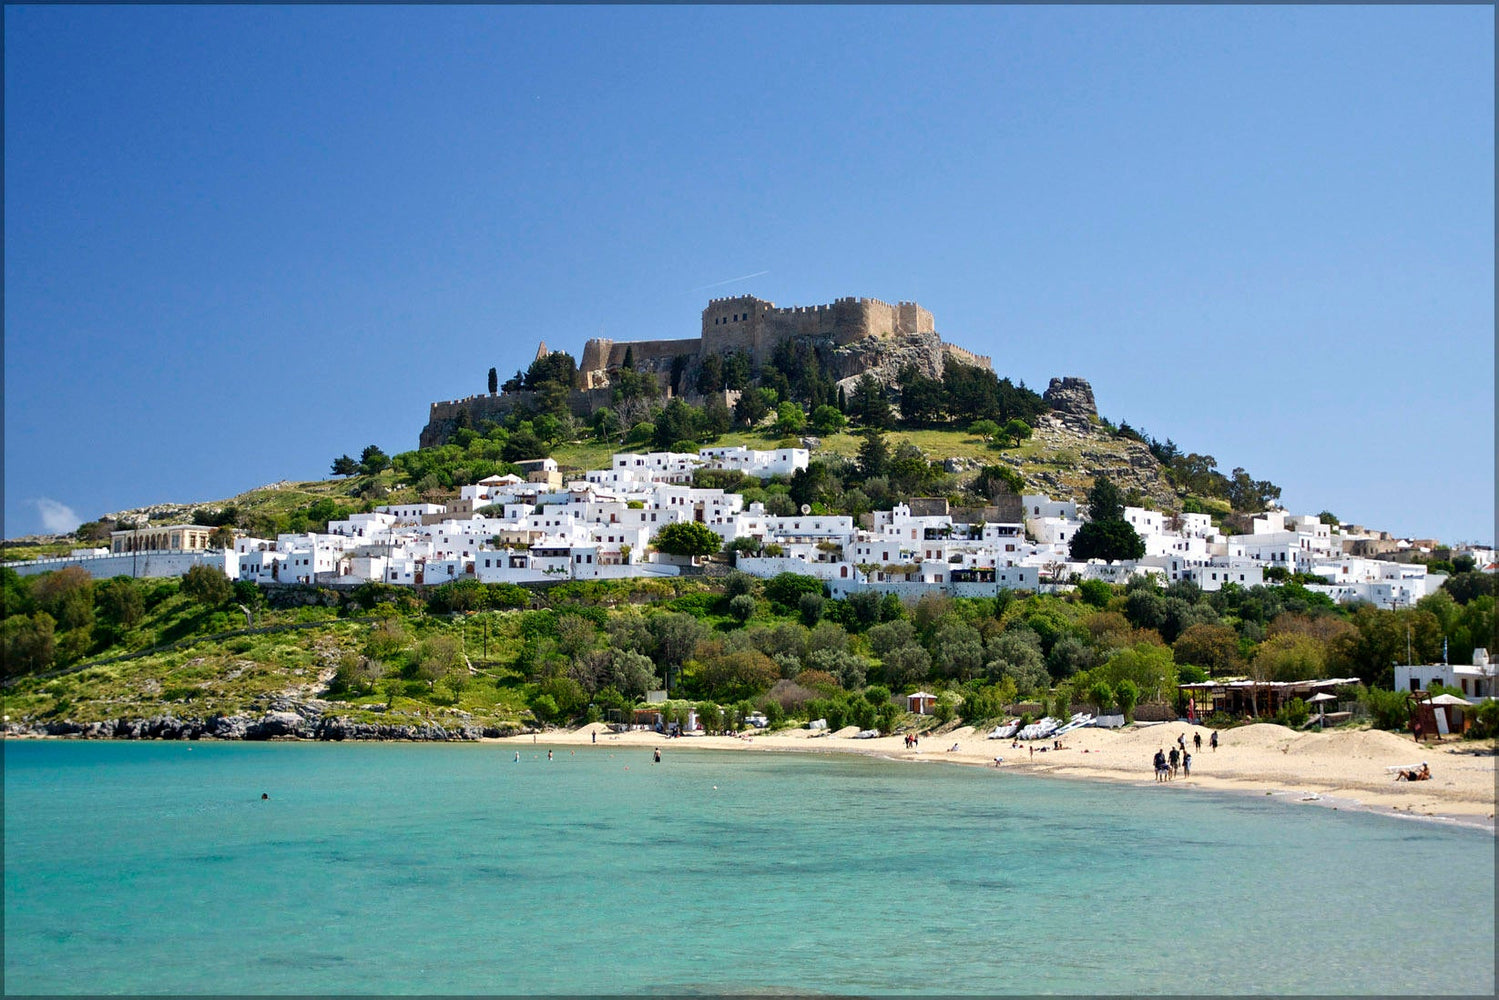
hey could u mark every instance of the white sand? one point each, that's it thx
(1340, 769)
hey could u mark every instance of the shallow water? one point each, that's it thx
(400, 868)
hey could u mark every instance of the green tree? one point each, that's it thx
(1102, 696)
(687, 538)
(717, 420)
(874, 453)
(207, 586)
(1151, 668)
(679, 421)
(994, 481)
(120, 602)
(1289, 656)
(1105, 502)
(709, 375)
(1095, 592)
(29, 644)
(438, 657)
(986, 429)
(345, 466)
(554, 368)
(1107, 540)
(1016, 430)
(751, 408)
(869, 402)
(1250, 496)
(790, 419)
(1212, 647)
(742, 608)
(494, 381)
(785, 590)
(1127, 694)
(922, 399)
(827, 419)
(372, 460)
(68, 596)
(677, 635)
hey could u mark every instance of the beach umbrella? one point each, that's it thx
(1321, 698)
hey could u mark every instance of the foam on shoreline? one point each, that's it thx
(1343, 770)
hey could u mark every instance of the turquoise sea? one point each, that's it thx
(375, 868)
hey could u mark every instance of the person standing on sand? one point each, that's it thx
(1181, 741)
(1160, 763)
(1186, 764)
(595, 736)
(1175, 759)
(1197, 742)
(1213, 742)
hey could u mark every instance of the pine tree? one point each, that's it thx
(494, 381)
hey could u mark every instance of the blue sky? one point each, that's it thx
(240, 241)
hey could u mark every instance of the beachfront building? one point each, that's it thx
(1475, 680)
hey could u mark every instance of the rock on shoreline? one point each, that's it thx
(285, 720)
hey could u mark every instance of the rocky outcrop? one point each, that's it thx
(884, 358)
(1071, 401)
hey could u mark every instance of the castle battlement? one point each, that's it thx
(840, 330)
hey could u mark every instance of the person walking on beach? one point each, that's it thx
(1186, 764)
(1160, 764)
(1181, 741)
(595, 736)
(1213, 741)
(1197, 742)
(1174, 758)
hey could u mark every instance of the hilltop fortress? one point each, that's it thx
(853, 336)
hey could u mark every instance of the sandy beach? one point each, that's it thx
(1342, 769)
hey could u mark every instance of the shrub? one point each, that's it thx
(786, 589)
(738, 584)
(742, 607)
(1095, 592)
(207, 586)
(809, 607)
(1296, 713)
(1485, 721)
(1387, 709)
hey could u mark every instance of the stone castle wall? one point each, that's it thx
(967, 357)
(746, 323)
(601, 354)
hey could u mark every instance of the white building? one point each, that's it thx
(1475, 680)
